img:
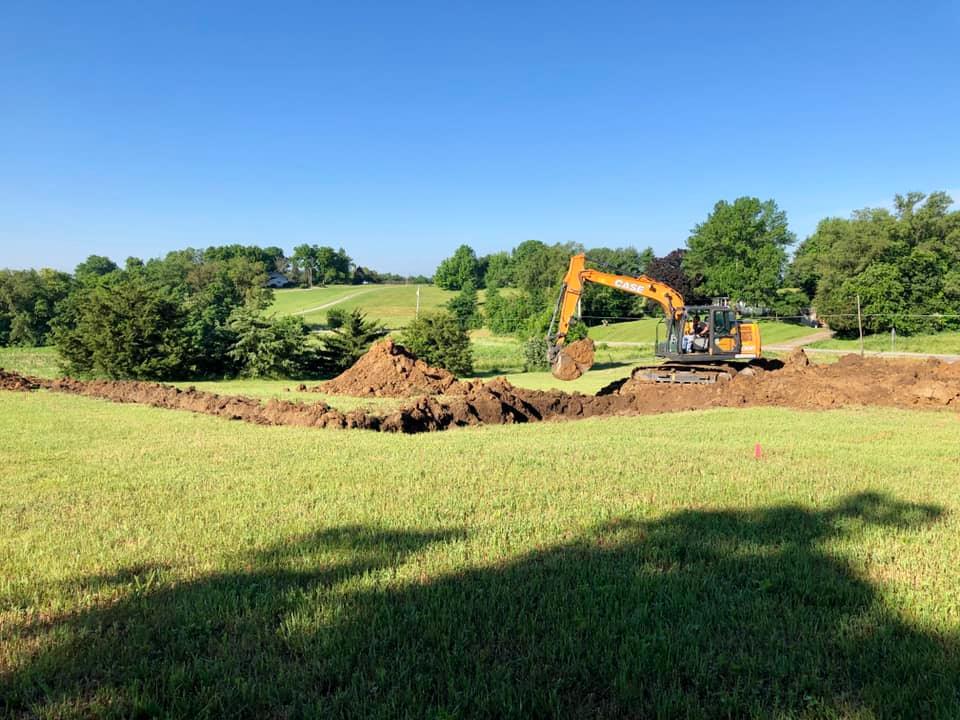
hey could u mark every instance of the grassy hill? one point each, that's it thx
(394, 305)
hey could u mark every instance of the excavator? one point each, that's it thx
(702, 343)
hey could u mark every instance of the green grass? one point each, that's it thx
(393, 305)
(37, 361)
(639, 331)
(161, 563)
(773, 332)
(947, 343)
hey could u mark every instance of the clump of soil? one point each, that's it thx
(798, 358)
(574, 360)
(389, 370)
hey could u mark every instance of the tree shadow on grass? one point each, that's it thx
(698, 614)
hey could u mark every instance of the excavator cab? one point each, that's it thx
(723, 337)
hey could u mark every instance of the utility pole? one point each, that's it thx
(860, 324)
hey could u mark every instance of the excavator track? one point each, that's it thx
(686, 374)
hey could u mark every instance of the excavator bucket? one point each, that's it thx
(573, 360)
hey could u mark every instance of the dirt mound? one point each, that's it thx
(13, 381)
(389, 370)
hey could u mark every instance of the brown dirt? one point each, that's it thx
(853, 381)
(574, 360)
(12, 381)
(389, 370)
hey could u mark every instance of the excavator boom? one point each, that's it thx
(578, 274)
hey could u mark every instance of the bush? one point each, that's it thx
(344, 346)
(440, 340)
(336, 317)
(535, 354)
(463, 306)
(127, 329)
(267, 347)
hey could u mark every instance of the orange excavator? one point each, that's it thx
(701, 344)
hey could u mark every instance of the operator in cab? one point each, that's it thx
(698, 329)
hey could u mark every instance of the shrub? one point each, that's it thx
(267, 347)
(127, 329)
(535, 354)
(440, 340)
(344, 346)
(336, 317)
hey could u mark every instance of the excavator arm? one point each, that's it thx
(579, 274)
(569, 363)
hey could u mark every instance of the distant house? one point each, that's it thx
(277, 280)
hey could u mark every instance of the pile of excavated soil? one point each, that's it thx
(851, 381)
(389, 370)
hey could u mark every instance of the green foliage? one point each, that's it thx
(127, 328)
(344, 346)
(535, 354)
(29, 302)
(508, 315)
(740, 251)
(271, 347)
(336, 317)
(440, 340)
(165, 319)
(599, 301)
(499, 270)
(902, 264)
(463, 306)
(93, 268)
(320, 265)
(455, 271)
(790, 302)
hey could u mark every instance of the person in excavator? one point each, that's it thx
(698, 329)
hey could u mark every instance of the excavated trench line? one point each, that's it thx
(851, 382)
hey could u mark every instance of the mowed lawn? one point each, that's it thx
(394, 305)
(944, 343)
(156, 563)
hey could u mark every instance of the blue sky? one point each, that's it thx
(400, 130)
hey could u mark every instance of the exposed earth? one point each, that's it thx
(438, 401)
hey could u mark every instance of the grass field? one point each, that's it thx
(947, 343)
(160, 563)
(394, 305)
(39, 361)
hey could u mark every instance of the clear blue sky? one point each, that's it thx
(400, 130)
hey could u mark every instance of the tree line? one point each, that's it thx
(201, 313)
(903, 265)
(191, 314)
